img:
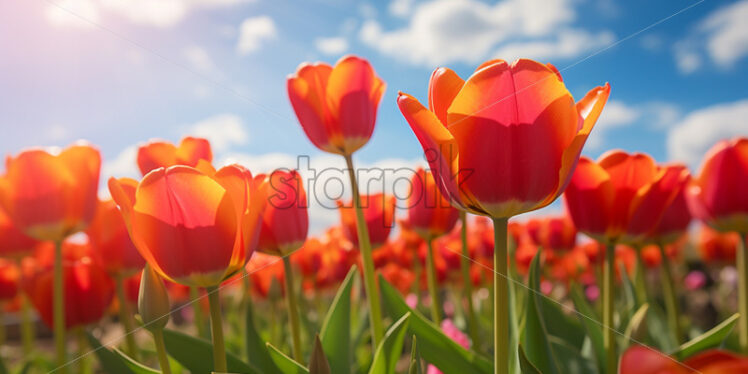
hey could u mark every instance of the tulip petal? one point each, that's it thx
(649, 204)
(306, 91)
(443, 87)
(192, 150)
(84, 163)
(644, 360)
(156, 154)
(589, 198)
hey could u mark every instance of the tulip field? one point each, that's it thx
(199, 267)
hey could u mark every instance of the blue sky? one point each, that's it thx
(118, 72)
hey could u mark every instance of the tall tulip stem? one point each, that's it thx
(431, 278)
(467, 282)
(375, 314)
(125, 316)
(163, 359)
(84, 366)
(501, 297)
(58, 301)
(640, 281)
(742, 263)
(216, 325)
(609, 339)
(27, 326)
(293, 310)
(671, 298)
(197, 310)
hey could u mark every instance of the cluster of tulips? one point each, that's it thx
(204, 258)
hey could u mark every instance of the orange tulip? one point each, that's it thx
(285, 222)
(621, 196)
(111, 243)
(557, 232)
(264, 270)
(336, 106)
(88, 289)
(717, 247)
(644, 360)
(13, 242)
(51, 196)
(379, 213)
(429, 213)
(10, 276)
(506, 140)
(193, 227)
(161, 154)
(675, 220)
(718, 196)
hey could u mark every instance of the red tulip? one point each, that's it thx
(379, 213)
(193, 227)
(429, 213)
(506, 140)
(264, 270)
(111, 243)
(718, 195)
(13, 242)
(336, 106)
(10, 276)
(557, 232)
(285, 222)
(160, 154)
(644, 360)
(675, 220)
(621, 196)
(51, 196)
(88, 289)
(717, 247)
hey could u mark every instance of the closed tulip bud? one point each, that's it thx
(285, 222)
(336, 106)
(160, 154)
(379, 214)
(153, 300)
(429, 213)
(718, 195)
(51, 196)
(506, 140)
(193, 226)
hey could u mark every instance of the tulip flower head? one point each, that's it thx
(193, 226)
(285, 222)
(718, 195)
(429, 213)
(161, 154)
(51, 196)
(336, 106)
(645, 360)
(379, 213)
(622, 196)
(13, 242)
(112, 246)
(506, 140)
(677, 217)
(10, 276)
(153, 300)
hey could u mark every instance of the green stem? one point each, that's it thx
(608, 297)
(58, 301)
(197, 310)
(501, 297)
(27, 325)
(433, 287)
(293, 310)
(163, 359)
(83, 364)
(125, 316)
(671, 298)
(375, 315)
(742, 263)
(216, 329)
(417, 269)
(468, 283)
(2, 325)
(640, 280)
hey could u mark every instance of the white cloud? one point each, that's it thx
(566, 44)
(223, 131)
(401, 8)
(722, 36)
(199, 59)
(162, 13)
(331, 46)
(698, 131)
(444, 31)
(655, 115)
(254, 32)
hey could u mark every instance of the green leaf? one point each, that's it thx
(135, 366)
(257, 351)
(286, 364)
(525, 365)
(435, 347)
(709, 339)
(658, 330)
(336, 330)
(391, 347)
(634, 330)
(535, 337)
(563, 326)
(415, 358)
(572, 360)
(318, 362)
(110, 362)
(590, 321)
(196, 355)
